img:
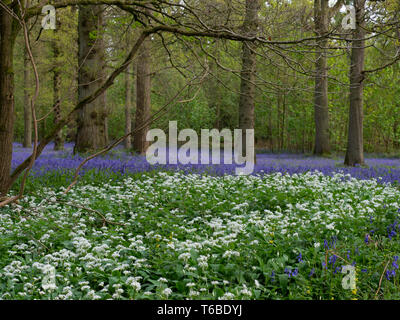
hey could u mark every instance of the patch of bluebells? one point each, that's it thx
(119, 161)
(331, 244)
(332, 260)
(391, 229)
(391, 273)
(292, 273)
(338, 269)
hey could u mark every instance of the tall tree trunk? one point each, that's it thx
(8, 33)
(321, 109)
(27, 107)
(91, 120)
(283, 121)
(248, 73)
(270, 129)
(128, 102)
(355, 151)
(212, 87)
(58, 140)
(143, 97)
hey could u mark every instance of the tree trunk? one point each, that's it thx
(321, 109)
(128, 103)
(27, 143)
(8, 33)
(91, 120)
(355, 151)
(58, 140)
(143, 98)
(249, 61)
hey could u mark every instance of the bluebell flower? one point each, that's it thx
(333, 242)
(337, 269)
(332, 260)
(312, 272)
(390, 274)
(300, 258)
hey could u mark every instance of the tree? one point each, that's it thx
(249, 62)
(128, 101)
(8, 33)
(27, 108)
(58, 140)
(143, 96)
(321, 110)
(91, 133)
(355, 142)
(322, 14)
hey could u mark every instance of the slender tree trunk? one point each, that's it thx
(283, 121)
(27, 108)
(91, 133)
(27, 143)
(128, 104)
(143, 97)
(355, 151)
(8, 31)
(395, 134)
(278, 121)
(249, 62)
(321, 109)
(270, 131)
(58, 140)
(212, 89)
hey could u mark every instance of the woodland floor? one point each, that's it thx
(131, 231)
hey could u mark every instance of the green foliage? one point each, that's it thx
(203, 237)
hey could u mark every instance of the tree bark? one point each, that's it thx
(128, 103)
(27, 108)
(355, 151)
(321, 108)
(91, 120)
(58, 140)
(8, 31)
(143, 98)
(249, 61)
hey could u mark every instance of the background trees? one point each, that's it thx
(300, 94)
